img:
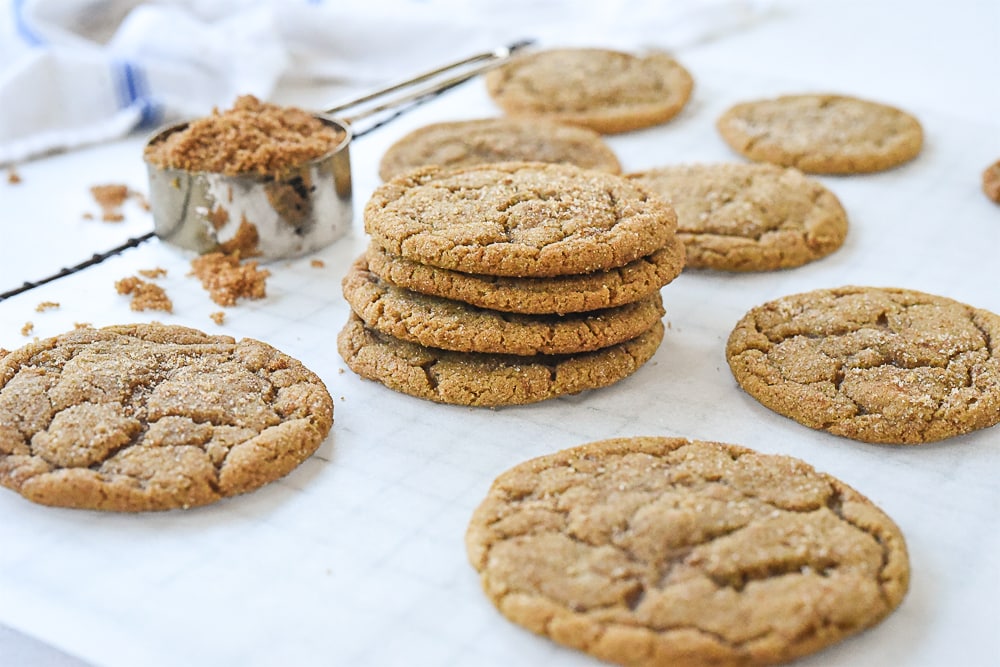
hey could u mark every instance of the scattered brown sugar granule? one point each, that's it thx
(46, 305)
(218, 317)
(4, 352)
(991, 181)
(252, 137)
(153, 273)
(226, 279)
(317, 263)
(145, 295)
(27, 328)
(244, 242)
(111, 198)
(88, 216)
(82, 325)
(13, 177)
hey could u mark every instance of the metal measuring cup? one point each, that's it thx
(302, 209)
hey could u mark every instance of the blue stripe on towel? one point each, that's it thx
(29, 35)
(133, 89)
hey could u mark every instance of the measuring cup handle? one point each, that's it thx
(476, 64)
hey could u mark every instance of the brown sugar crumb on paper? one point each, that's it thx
(13, 177)
(227, 280)
(317, 263)
(46, 305)
(111, 198)
(251, 137)
(145, 295)
(152, 274)
(218, 317)
(991, 182)
(27, 328)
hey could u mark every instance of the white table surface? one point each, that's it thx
(357, 556)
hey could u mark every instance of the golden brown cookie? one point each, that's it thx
(563, 294)
(487, 380)
(153, 417)
(491, 140)
(749, 217)
(991, 181)
(454, 325)
(822, 134)
(882, 365)
(607, 91)
(520, 219)
(666, 551)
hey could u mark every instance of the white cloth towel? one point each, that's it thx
(74, 72)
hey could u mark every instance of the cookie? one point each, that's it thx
(607, 91)
(487, 380)
(749, 217)
(666, 551)
(491, 140)
(881, 365)
(152, 417)
(563, 294)
(520, 219)
(454, 325)
(991, 181)
(822, 134)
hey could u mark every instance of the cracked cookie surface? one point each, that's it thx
(453, 325)
(520, 219)
(487, 380)
(822, 134)
(607, 91)
(666, 551)
(153, 417)
(491, 140)
(880, 365)
(561, 294)
(749, 217)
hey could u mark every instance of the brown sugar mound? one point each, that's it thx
(226, 279)
(252, 137)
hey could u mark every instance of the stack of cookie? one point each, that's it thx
(508, 283)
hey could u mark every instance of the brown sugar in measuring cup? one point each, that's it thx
(275, 180)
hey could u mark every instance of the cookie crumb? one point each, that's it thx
(82, 325)
(152, 273)
(13, 177)
(991, 182)
(317, 263)
(251, 137)
(227, 280)
(145, 295)
(4, 352)
(46, 305)
(218, 317)
(27, 328)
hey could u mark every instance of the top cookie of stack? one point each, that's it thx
(509, 283)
